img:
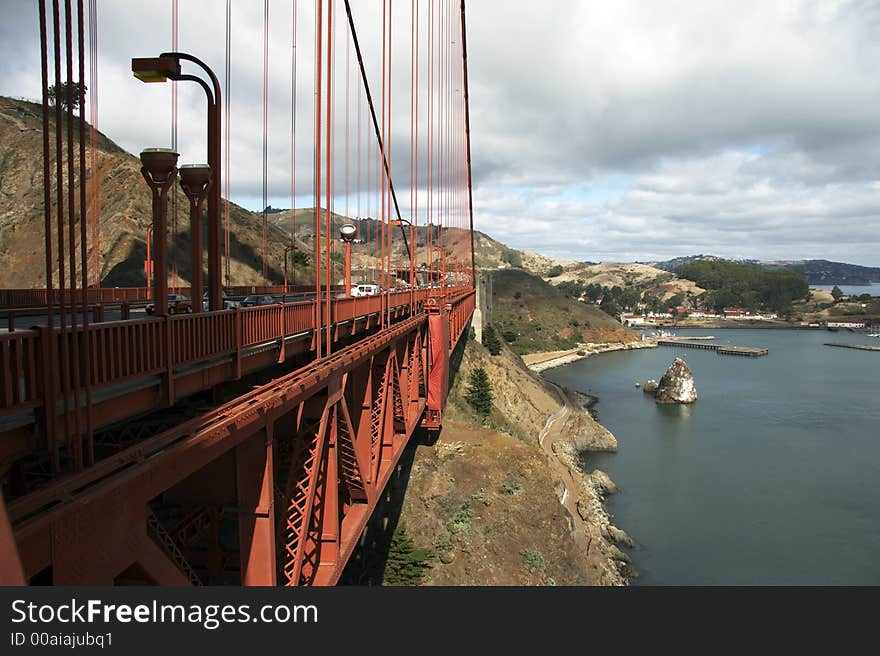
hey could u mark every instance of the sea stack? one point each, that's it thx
(677, 385)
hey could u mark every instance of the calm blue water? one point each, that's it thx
(873, 289)
(771, 477)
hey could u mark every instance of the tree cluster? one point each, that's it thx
(729, 284)
(61, 96)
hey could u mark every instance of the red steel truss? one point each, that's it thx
(294, 468)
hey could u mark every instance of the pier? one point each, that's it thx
(859, 347)
(720, 349)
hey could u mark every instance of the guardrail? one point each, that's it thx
(123, 351)
(19, 364)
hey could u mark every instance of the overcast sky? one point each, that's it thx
(624, 130)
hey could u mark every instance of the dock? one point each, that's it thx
(720, 349)
(860, 347)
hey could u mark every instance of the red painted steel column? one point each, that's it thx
(159, 170)
(195, 180)
(254, 466)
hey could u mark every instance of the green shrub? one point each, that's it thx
(511, 486)
(460, 521)
(533, 558)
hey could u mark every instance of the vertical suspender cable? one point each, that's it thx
(293, 143)
(85, 370)
(467, 134)
(94, 177)
(319, 11)
(328, 180)
(265, 244)
(47, 234)
(376, 129)
(59, 193)
(226, 157)
(75, 441)
(174, 48)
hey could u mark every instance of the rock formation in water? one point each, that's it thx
(650, 386)
(677, 385)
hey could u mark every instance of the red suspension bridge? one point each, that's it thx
(249, 445)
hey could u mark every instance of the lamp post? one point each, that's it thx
(148, 263)
(159, 168)
(195, 180)
(348, 233)
(167, 67)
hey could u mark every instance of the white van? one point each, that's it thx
(365, 290)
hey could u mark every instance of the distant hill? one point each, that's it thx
(647, 279)
(818, 272)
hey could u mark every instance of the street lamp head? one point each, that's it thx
(195, 179)
(348, 232)
(159, 163)
(155, 69)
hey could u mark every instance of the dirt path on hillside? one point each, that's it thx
(551, 434)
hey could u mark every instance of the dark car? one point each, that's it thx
(177, 304)
(228, 303)
(258, 299)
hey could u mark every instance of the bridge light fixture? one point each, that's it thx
(348, 232)
(155, 69)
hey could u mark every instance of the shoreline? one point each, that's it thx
(541, 361)
(569, 433)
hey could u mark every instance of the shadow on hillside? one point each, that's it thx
(369, 559)
(130, 271)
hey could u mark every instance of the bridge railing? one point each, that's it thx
(118, 350)
(19, 370)
(121, 351)
(199, 337)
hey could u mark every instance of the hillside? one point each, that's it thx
(818, 272)
(125, 213)
(481, 506)
(650, 280)
(532, 315)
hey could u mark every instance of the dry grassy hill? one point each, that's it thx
(541, 318)
(660, 283)
(125, 213)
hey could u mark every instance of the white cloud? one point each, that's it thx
(601, 130)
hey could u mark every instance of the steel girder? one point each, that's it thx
(312, 452)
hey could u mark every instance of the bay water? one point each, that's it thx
(771, 478)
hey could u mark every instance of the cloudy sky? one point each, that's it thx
(625, 130)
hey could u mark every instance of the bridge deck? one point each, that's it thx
(143, 364)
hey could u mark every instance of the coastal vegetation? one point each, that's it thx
(729, 284)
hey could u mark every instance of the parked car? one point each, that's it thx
(364, 290)
(228, 303)
(258, 299)
(177, 304)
